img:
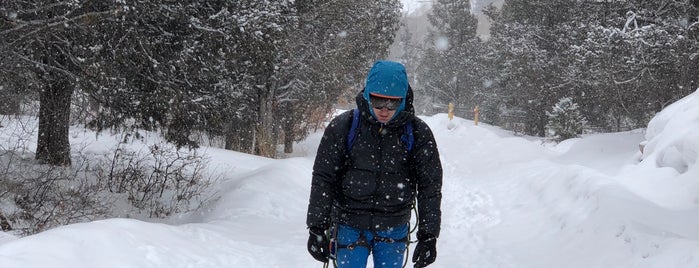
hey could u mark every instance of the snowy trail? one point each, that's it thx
(473, 200)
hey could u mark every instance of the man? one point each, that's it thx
(367, 176)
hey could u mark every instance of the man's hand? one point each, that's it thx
(318, 244)
(425, 251)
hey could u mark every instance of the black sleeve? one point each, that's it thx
(328, 166)
(428, 171)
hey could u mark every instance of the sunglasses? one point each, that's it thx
(380, 103)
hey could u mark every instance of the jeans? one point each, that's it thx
(385, 254)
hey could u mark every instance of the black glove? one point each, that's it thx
(318, 244)
(425, 251)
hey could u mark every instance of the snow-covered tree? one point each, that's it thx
(635, 58)
(565, 120)
(41, 52)
(621, 61)
(450, 70)
(329, 54)
(191, 67)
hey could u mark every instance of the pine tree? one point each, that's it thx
(190, 67)
(450, 68)
(330, 52)
(41, 41)
(565, 120)
(529, 63)
(634, 53)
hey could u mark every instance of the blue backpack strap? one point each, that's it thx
(353, 130)
(408, 137)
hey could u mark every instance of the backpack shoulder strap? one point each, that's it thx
(408, 137)
(352, 134)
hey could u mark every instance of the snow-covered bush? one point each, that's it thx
(565, 121)
(155, 181)
(162, 181)
(37, 197)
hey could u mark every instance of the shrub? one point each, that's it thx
(162, 181)
(36, 197)
(156, 182)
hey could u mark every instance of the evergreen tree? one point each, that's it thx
(636, 57)
(528, 44)
(40, 40)
(450, 69)
(410, 57)
(190, 66)
(330, 52)
(565, 120)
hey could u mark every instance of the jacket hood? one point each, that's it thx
(387, 79)
(399, 119)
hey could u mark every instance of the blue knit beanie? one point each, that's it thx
(387, 79)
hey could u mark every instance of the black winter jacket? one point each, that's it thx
(374, 186)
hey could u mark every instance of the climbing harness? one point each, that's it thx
(362, 242)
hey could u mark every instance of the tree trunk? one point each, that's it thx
(264, 142)
(228, 137)
(53, 146)
(4, 223)
(265, 145)
(289, 135)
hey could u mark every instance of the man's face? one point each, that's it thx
(384, 108)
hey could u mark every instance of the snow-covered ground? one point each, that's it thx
(508, 201)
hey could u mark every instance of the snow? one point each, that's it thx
(412, 7)
(509, 201)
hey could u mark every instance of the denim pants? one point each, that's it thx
(351, 253)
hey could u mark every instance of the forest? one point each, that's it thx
(617, 62)
(248, 75)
